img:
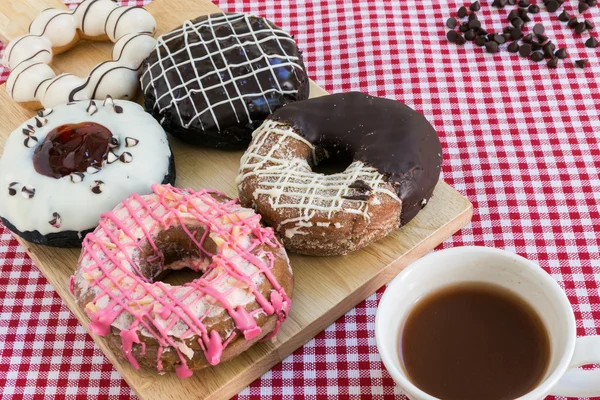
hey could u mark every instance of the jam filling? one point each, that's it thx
(72, 148)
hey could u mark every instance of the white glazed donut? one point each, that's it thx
(88, 179)
(34, 84)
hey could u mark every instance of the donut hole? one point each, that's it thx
(331, 160)
(177, 259)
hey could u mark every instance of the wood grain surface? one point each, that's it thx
(326, 288)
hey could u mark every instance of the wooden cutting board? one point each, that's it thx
(326, 288)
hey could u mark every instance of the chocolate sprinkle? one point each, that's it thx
(30, 142)
(581, 63)
(592, 43)
(564, 16)
(12, 191)
(451, 22)
(475, 6)
(96, 187)
(55, 221)
(360, 197)
(77, 177)
(561, 53)
(28, 191)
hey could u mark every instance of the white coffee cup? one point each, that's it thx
(521, 276)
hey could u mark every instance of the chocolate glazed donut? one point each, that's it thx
(396, 161)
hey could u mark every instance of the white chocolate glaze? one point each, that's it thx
(54, 31)
(73, 197)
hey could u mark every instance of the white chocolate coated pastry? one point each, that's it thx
(33, 83)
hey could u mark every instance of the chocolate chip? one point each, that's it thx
(528, 38)
(451, 22)
(44, 113)
(552, 6)
(536, 46)
(360, 185)
(564, 16)
(462, 12)
(572, 22)
(499, 39)
(582, 7)
(552, 63)
(512, 2)
(534, 9)
(464, 27)
(580, 27)
(475, 6)
(562, 53)
(499, 3)
(513, 47)
(525, 18)
(492, 47)
(517, 22)
(581, 63)
(549, 49)
(118, 109)
(131, 142)
(76, 177)
(592, 43)
(11, 190)
(470, 35)
(537, 56)
(538, 29)
(126, 157)
(359, 197)
(542, 38)
(589, 25)
(28, 191)
(512, 15)
(55, 221)
(508, 29)
(525, 50)
(113, 142)
(97, 187)
(460, 40)
(472, 16)
(516, 34)
(30, 142)
(480, 40)
(591, 3)
(524, 3)
(474, 24)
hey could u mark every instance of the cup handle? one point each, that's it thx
(577, 382)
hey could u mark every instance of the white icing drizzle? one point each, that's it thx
(79, 199)
(189, 30)
(55, 31)
(290, 184)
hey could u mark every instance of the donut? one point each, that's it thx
(61, 169)
(34, 84)
(394, 157)
(213, 80)
(242, 296)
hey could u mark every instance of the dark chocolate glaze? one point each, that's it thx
(230, 132)
(390, 136)
(68, 239)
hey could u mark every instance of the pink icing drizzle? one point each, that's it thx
(72, 285)
(111, 267)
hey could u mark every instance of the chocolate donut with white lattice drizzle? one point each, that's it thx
(63, 168)
(395, 156)
(215, 79)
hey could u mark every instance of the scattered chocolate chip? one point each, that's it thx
(470, 35)
(44, 113)
(28, 191)
(118, 109)
(361, 185)
(512, 15)
(97, 187)
(111, 157)
(580, 27)
(542, 38)
(517, 22)
(359, 197)
(528, 38)
(113, 142)
(451, 22)
(498, 39)
(474, 24)
(581, 63)
(55, 221)
(460, 40)
(538, 29)
(561, 53)
(464, 27)
(472, 16)
(92, 108)
(475, 6)
(92, 170)
(549, 50)
(535, 46)
(126, 157)
(516, 33)
(537, 56)
(499, 3)
(564, 16)
(492, 47)
(552, 6)
(582, 7)
(572, 22)
(482, 32)
(534, 9)
(76, 177)
(591, 3)
(480, 40)
(512, 2)
(525, 50)
(462, 12)
(524, 3)
(513, 47)
(589, 25)
(592, 43)
(552, 63)
(30, 142)
(11, 190)
(131, 142)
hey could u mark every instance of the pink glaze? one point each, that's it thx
(111, 266)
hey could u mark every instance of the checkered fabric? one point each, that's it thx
(520, 141)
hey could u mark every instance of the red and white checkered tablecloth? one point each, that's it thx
(520, 141)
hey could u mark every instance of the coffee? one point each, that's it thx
(474, 341)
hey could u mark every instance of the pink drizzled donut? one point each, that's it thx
(242, 296)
